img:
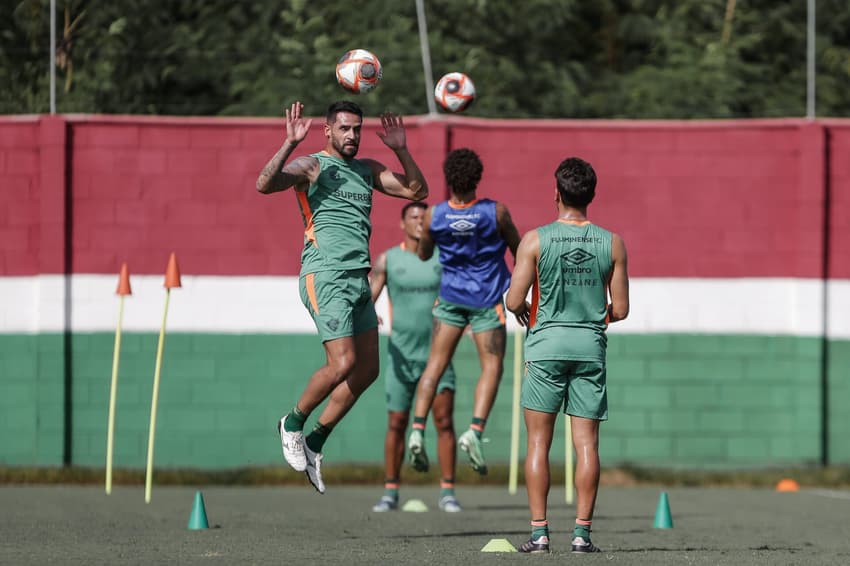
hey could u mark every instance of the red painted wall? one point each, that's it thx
(839, 201)
(19, 195)
(691, 199)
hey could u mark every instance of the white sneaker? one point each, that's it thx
(293, 447)
(314, 468)
(450, 504)
(469, 443)
(416, 446)
(385, 504)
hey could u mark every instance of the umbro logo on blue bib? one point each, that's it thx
(462, 225)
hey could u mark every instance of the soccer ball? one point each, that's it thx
(358, 71)
(454, 92)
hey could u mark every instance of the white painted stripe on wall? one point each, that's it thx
(781, 306)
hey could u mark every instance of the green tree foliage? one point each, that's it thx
(529, 59)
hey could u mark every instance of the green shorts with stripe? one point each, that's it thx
(402, 377)
(578, 387)
(340, 302)
(479, 319)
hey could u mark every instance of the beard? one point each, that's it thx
(347, 150)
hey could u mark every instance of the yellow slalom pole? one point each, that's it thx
(569, 472)
(154, 401)
(113, 391)
(122, 291)
(514, 467)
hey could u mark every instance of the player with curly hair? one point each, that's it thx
(472, 234)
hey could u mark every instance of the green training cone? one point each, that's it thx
(198, 518)
(498, 545)
(663, 520)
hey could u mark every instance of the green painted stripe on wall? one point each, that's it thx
(675, 400)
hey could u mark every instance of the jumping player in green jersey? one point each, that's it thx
(334, 193)
(574, 267)
(412, 286)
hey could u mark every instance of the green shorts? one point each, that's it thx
(340, 302)
(402, 377)
(578, 386)
(479, 319)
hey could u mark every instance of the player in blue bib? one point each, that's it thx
(472, 235)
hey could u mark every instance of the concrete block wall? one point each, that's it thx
(694, 201)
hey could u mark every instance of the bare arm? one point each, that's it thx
(619, 283)
(411, 184)
(507, 229)
(426, 242)
(527, 256)
(300, 173)
(378, 277)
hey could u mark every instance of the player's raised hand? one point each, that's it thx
(296, 126)
(393, 134)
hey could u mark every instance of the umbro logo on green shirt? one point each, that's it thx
(577, 257)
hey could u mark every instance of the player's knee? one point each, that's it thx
(397, 423)
(341, 366)
(443, 422)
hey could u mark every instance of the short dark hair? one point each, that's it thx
(576, 182)
(342, 106)
(462, 169)
(413, 204)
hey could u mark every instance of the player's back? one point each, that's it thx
(336, 210)
(570, 293)
(472, 252)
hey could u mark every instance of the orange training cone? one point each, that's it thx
(787, 484)
(124, 281)
(172, 273)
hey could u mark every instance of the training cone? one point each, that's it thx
(787, 484)
(498, 545)
(198, 518)
(415, 506)
(124, 281)
(172, 273)
(663, 520)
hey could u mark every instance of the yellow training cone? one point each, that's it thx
(498, 545)
(415, 506)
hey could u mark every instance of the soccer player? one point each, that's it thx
(412, 286)
(472, 235)
(573, 265)
(334, 191)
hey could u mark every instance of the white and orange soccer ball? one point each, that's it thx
(455, 92)
(358, 71)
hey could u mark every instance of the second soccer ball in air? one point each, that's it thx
(454, 92)
(358, 71)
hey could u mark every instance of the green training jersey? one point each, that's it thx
(570, 295)
(412, 285)
(336, 210)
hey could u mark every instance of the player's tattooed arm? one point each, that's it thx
(300, 173)
(507, 229)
